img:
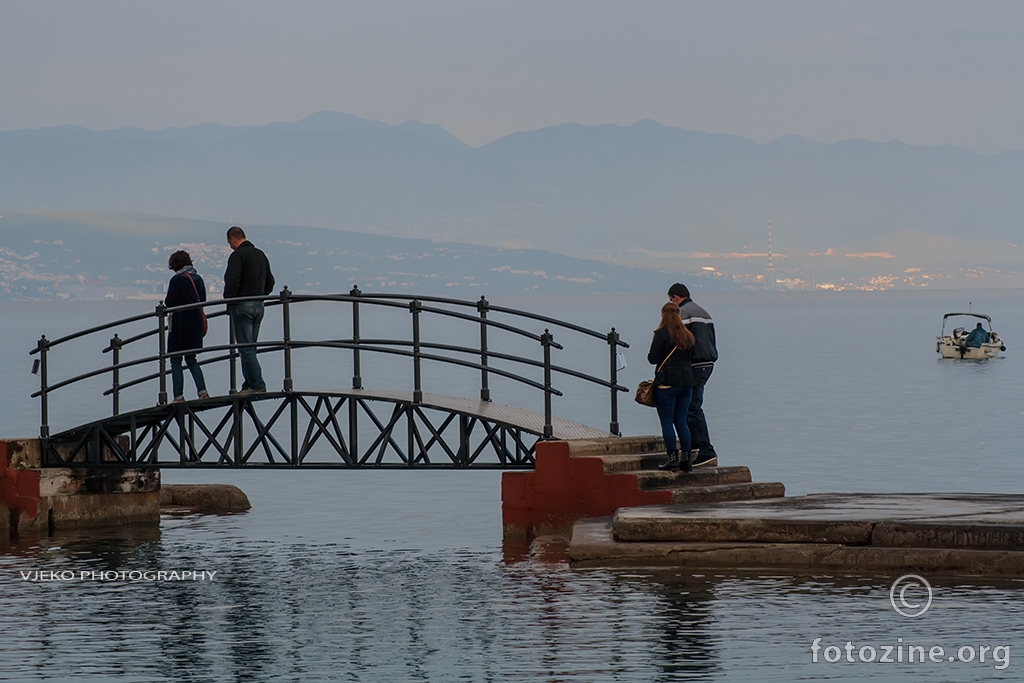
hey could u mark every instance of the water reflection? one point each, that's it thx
(326, 611)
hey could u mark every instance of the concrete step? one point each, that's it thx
(631, 462)
(757, 490)
(594, 545)
(962, 521)
(649, 480)
(619, 445)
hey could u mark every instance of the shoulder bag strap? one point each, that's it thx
(196, 290)
(666, 359)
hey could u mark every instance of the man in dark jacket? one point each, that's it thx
(705, 353)
(977, 337)
(248, 274)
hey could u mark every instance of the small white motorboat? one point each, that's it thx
(970, 344)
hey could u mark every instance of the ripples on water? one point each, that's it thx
(306, 591)
(399, 576)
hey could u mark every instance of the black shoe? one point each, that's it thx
(705, 460)
(672, 464)
(686, 462)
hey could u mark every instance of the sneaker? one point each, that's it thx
(253, 391)
(706, 460)
(178, 400)
(204, 394)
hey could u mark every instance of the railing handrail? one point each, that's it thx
(364, 344)
(411, 303)
(366, 297)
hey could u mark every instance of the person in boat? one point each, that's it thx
(977, 337)
(672, 354)
(186, 333)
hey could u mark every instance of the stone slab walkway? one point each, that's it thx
(979, 533)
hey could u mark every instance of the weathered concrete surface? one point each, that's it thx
(751, 490)
(93, 510)
(981, 521)
(42, 499)
(81, 497)
(205, 498)
(19, 485)
(593, 544)
(594, 477)
(700, 476)
(634, 445)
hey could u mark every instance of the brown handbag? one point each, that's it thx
(645, 390)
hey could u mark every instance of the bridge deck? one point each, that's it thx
(495, 412)
(521, 418)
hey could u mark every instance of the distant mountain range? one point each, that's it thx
(564, 187)
(643, 194)
(83, 255)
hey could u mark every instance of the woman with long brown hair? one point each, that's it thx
(671, 352)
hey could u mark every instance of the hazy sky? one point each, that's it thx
(924, 72)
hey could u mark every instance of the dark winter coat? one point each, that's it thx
(678, 371)
(977, 337)
(186, 326)
(248, 273)
(698, 321)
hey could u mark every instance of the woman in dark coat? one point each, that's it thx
(186, 333)
(672, 353)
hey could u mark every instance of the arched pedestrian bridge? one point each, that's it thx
(330, 427)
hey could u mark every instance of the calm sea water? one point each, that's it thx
(394, 576)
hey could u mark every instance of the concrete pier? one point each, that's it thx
(971, 533)
(43, 499)
(583, 478)
(36, 499)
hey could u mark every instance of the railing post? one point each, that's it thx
(485, 391)
(417, 392)
(161, 312)
(115, 351)
(287, 322)
(44, 412)
(232, 355)
(613, 375)
(545, 340)
(357, 379)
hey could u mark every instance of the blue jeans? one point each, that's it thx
(178, 377)
(672, 405)
(695, 420)
(245, 319)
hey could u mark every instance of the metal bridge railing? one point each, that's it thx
(475, 357)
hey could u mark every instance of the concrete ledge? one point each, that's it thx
(616, 446)
(205, 498)
(700, 476)
(948, 535)
(722, 492)
(624, 462)
(687, 524)
(94, 510)
(920, 520)
(69, 481)
(593, 545)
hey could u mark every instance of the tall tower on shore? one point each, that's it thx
(769, 272)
